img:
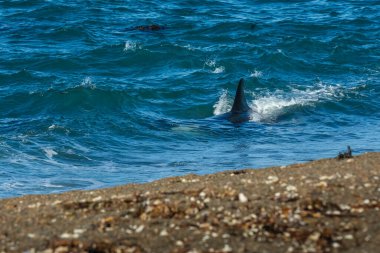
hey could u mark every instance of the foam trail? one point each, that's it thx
(273, 105)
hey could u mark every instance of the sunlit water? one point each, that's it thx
(86, 101)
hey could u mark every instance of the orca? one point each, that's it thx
(240, 111)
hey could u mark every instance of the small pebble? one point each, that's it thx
(139, 229)
(344, 207)
(79, 231)
(291, 188)
(227, 248)
(315, 236)
(243, 198)
(347, 176)
(272, 180)
(205, 238)
(335, 245)
(321, 184)
(322, 178)
(348, 237)
(97, 198)
(357, 210)
(164, 233)
(56, 202)
(69, 236)
(31, 235)
(290, 249)
(61, 249)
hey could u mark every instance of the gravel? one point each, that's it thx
(330, 205)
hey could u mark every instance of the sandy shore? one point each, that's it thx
(328, 205)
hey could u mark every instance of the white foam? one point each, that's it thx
(185, 128)
(49, 152)
(189, 47)
(223, 105)
(218, 70)
(52, 127)
(87, 82)
(10, 186)
(256, 74)
(131, 46)
(212, 64)
(48, 184)
(269, 107)
(58, 128)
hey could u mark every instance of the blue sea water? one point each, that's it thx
(87, 101)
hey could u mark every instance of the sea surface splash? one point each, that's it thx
(268, 106)
(89, 100)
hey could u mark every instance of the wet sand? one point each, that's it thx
(330, 205)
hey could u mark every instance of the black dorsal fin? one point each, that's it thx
(240, 103)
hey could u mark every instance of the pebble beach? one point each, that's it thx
(329, 205)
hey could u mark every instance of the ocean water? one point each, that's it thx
(88, 101)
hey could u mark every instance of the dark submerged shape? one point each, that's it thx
(240, 111)
(147, 28)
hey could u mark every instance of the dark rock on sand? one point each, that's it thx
(346, 154)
